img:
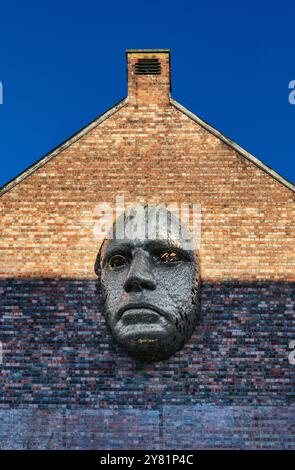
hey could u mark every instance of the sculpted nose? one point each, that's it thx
(140, 275)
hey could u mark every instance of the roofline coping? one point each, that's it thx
(267, 169)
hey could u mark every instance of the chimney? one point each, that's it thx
(148, 75)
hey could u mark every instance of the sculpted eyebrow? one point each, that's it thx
(161, 245)
(117, 249)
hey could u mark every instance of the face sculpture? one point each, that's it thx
(149, 283)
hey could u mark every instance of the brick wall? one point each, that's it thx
(57, 350)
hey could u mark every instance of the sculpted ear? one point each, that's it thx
(97, 268)
(100, 291)
(196, 290)
(97, 265)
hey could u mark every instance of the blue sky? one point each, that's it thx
(62, 64)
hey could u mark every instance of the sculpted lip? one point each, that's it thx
(138, 305)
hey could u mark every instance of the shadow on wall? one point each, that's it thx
(57, 349)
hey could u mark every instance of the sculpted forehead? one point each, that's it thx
(142, 225)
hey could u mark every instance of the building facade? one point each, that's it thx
(65, 383)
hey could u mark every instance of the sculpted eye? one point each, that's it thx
(117, 261)
(170, 257)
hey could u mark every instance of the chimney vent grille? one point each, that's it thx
(148, 67)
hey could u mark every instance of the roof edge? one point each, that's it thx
(267, 169)
(53, 153)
